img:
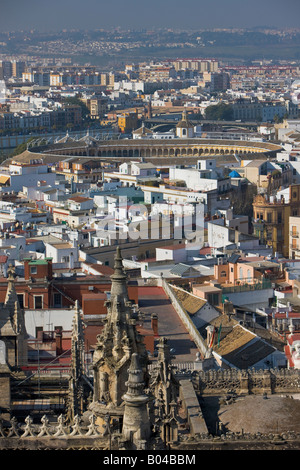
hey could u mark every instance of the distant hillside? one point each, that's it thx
(109, 47)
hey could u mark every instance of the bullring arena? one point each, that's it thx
(158, 151)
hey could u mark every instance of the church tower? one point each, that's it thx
(184, 128)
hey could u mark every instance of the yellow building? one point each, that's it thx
(271, 218)
(294, 239)
(266, 174)
(56, 79)
(98, 107)
(127, 122)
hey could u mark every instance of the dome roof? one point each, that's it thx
(234, 174)
(184, 123)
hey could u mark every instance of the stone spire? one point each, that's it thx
(11, 295)
(76, 389)
(12, 325)
(136, 423)
(117, 342)
(118, 306)
(164, 383)
(119, 278)
(78, 342)
(165, 387)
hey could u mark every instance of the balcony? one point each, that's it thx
(294, 234)
(294, 248)
(258, 285)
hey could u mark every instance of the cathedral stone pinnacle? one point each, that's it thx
(12, 325)
(116, 344)
(119, 278)
(136, 423)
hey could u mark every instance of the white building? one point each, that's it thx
(62, 252)
(10, 213)
(175, 253)
(48, 320)
(80, 203)
(219, 235)
(137, 169)
(205, 177)
(30, 173)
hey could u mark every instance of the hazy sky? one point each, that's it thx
(91, 14)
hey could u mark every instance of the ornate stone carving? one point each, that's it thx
(115, 346)
(29, 428)
(45, 428)
(136, 423)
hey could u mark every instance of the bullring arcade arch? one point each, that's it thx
(152, 148)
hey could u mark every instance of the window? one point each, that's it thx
(213, 299)
(33, 270)
(2, 352)
(57, 300)
(38, 301)
(38, 329)
(21, 300)
(279, 234)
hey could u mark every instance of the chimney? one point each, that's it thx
(154, 323)
(58, 342)
(228, 308)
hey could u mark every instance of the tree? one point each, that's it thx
(278, 119)
(75, 100)
(219, 112)
(21, 148)
(242, 202)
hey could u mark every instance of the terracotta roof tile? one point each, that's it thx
(189, 302)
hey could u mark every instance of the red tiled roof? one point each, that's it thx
(79, 199)
(205, 250)
(102, 269)
(280, 315)
(294, 337)
(172, 247)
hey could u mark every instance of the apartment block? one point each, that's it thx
(294, 240)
